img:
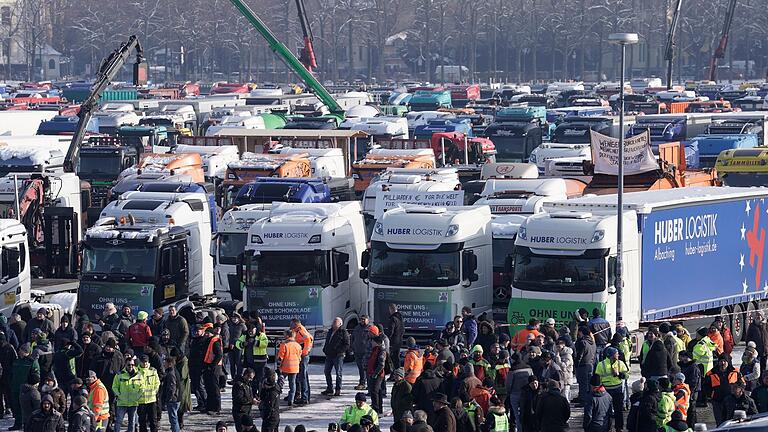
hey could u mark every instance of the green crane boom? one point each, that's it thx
(289, 58)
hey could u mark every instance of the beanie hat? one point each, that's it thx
(611, 351)
(595, 381)
(373, 330)
(680, 376)
(638, 385)
(477, 348)
(141, 316)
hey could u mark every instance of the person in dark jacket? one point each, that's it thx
(760, 395)
(359, 348)
(757, 332)
(80, 418)
(108, 365)
(236, 329)
(692, 373)
(529, 398)
(402, 394)
(25, 371)
(269, 408)
(43, 352)
(46, 419)
(598, 408)
(242, 397)
(91, 352)
(212, 370)
(442, 418)
(65, 332)
(375, 371)
(656, 362)
(170, 392)
(68, 351)
(738, 400)
(156, 322)
(486, 336)
(178, 327)
(50, 387)
(469, 325)
(428, 383)
(647, 409)
(197, 348)
(518, 378)
(335, 348)
(7, 357)
(584, 361)
(601, 330)
(716, 385)
(553, 410)
(634, 404)
(29, 401)
(395, 332)
(41, 322)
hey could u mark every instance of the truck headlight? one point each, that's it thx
(314, 239)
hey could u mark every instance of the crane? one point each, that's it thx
(307, 55)
(289, 58)
(720, 50)
(669, 51)
(107, 71)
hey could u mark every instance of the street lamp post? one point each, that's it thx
(622, 39)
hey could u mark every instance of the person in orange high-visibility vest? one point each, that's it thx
(289, 358)
(212, 364)
(414, 362)
(682, 394)
(98, 400)
(304, 339)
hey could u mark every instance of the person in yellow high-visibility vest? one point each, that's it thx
(613, 371)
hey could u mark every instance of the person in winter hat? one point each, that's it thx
(692, 373)
(750, 367)
(676, 423)
(598, 408)
(634, 401)
(81, 419)
(666, 404)
(46, 419)
(738, 400)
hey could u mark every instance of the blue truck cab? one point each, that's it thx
(266, 190)
(665, 128)
(710, 146)
(424, 100)
(517, 131)
(443, 125)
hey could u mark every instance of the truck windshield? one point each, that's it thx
(745, 179)
(93, 164)
(502, 248)
(230, 246)
(555, 273)
(415, 268)
(289, 268)
(572, 134)
(135, 261)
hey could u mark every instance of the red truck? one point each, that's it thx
(224, 88)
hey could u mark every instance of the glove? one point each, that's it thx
(623, 375)
(344, 426)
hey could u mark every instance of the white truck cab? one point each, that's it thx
(525, 196)
(228, 246)
(215, 158)
(430, 262)
(15, 275)
(148, 249)
(303, 260)
(325, 163)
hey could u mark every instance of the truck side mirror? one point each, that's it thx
(470, 266)
(365, 258)
(340, 266)
(363, 274)
(214, 246)
(240, 267)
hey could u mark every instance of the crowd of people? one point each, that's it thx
(84, 376)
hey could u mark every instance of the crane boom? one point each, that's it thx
(720, 50)
(289, 58)
(307, 56)
(669, 52)
(107, 71)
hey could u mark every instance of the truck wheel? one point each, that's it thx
(737, 323)
(750, 316)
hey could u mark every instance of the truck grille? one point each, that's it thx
(99, 195)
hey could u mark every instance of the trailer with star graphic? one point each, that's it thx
(687, 252)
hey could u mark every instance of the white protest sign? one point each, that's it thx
(638, 156)
(387, 200)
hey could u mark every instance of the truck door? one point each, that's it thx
(174, 271)
(60, 231)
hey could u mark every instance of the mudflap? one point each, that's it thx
(60, 228)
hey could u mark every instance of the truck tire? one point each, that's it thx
(737, 323)
(750, 316)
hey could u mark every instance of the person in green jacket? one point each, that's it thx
(354, 413)
(185, 385)
(25, 370)
(666, 405)
(150, 384)
(704, 351)
(128, 389)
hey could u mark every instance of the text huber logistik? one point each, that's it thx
(689, 228)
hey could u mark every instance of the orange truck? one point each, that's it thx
(190, 164)
(378, 160)
(254, 165)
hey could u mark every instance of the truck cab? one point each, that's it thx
(15, 274)
(426, 100)
(516, 132)
(665, 128)
(379, 159)
(150, 250)
(304, 261)
(571, 138)
(710, 146)
(112, 115)
(254, 165)
(151, 138)
(442, 125)
(430, 262)
(101, 162)
(266, 190)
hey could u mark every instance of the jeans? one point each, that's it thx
(617, 394)
(120, 412)
(583, 375)
(333, 363)
(303, 378)
(147, 417)
(361, 366)
(514, 404)
(291, 387)
(173, 415)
